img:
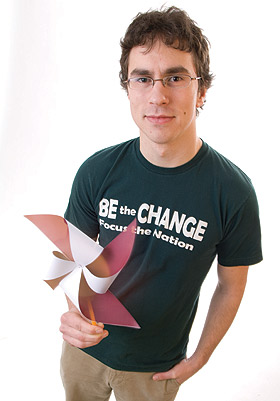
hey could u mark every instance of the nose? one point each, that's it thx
(158, 93)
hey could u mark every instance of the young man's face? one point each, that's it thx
(163, 114)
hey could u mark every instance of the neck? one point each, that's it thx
(171, 154)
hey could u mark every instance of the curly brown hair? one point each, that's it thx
(174, 28)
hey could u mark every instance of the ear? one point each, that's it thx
(201, 95)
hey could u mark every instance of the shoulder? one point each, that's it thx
(104, 159)
(226, 173)
(231, 188)
(111, 152)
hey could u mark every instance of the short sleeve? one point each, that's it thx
(80, 210)
(241, 244)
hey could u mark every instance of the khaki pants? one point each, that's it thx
(86, 379)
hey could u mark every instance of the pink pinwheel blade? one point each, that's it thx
(107, 309)
(104, 308)
(115, 255)
(118, 251)
(55, 228)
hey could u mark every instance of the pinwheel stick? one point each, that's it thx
(92, 316)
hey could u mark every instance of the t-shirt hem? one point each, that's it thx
(241, 261)
(133, 368)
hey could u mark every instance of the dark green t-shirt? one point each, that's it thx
(185, 217)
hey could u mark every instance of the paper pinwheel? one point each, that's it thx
(85, 270)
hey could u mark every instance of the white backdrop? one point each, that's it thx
(56, 109)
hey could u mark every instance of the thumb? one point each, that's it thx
(164, 375)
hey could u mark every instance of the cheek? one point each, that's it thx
(133, 108)
(136, 112)
(134, 101)
(137, 106)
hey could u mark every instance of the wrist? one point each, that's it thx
(198, 359)
(73, 309)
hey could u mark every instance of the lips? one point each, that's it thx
(159, 119)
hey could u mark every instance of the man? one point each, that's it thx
(191, 204)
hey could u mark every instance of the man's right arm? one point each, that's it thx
(79, 332)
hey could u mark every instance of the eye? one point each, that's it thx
(175, 78)
(178, 81)
(140, 83)
(142, 80)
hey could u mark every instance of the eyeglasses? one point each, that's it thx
(173, 81)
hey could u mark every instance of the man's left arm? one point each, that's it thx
(223, 308)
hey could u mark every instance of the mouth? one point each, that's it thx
(159, 119)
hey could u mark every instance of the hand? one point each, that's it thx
(180, 372)
(79, 332)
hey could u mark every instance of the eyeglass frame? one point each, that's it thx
(163, 80)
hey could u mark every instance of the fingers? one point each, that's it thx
(180, 372)
(170, 374)
(77, 322)
(80, 333)
(79, 341)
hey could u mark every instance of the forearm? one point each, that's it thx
(222, 311)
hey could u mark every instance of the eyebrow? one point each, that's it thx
(139, 71)
(172, 70)
(177, 70)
